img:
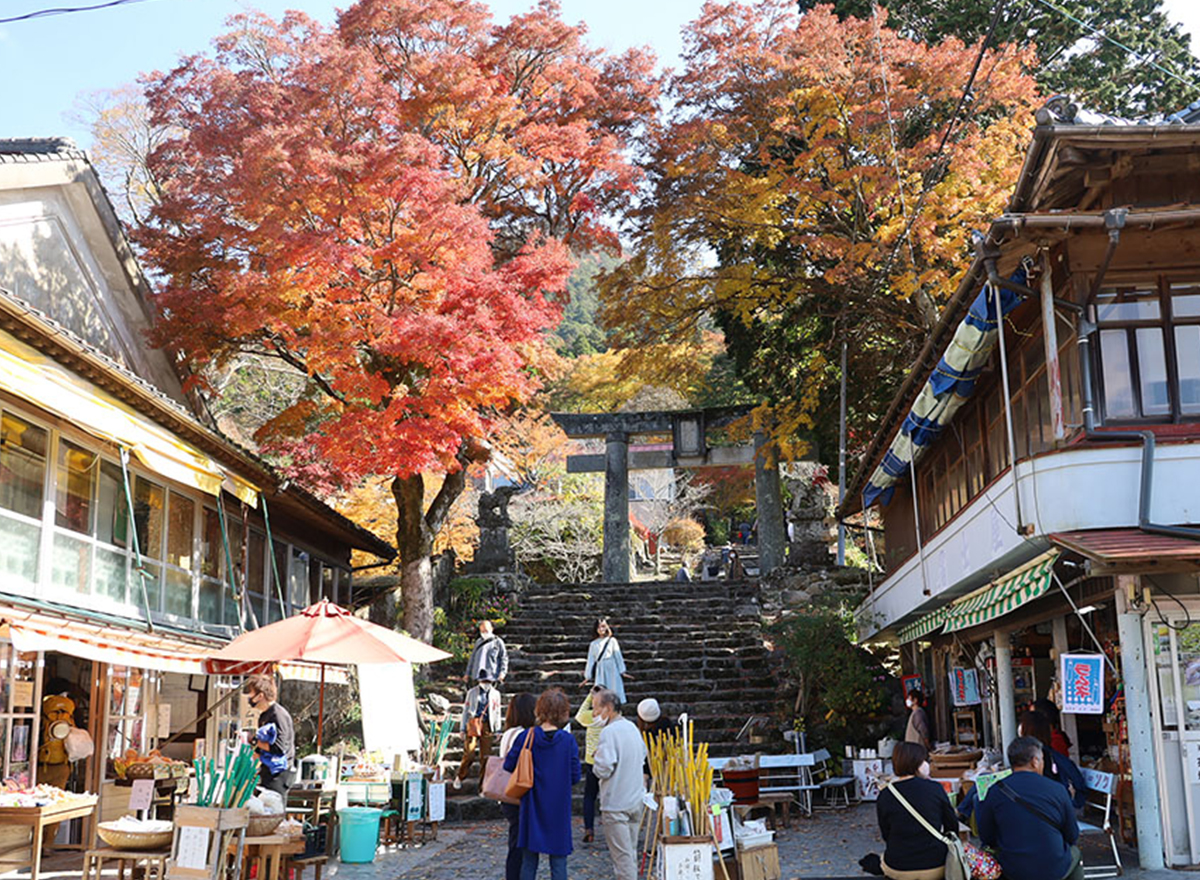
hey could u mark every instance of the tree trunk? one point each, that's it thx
(416, 529)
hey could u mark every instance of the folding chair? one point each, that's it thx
(1105, 785)
(833, 787)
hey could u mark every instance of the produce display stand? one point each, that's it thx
(154, 862)
(204, 836)
(268, 854)
(37, 819)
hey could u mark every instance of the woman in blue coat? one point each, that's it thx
(545, 825)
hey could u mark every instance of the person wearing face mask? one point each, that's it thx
(912, 853)
(276, 737)
(918, 731)
(618, 766)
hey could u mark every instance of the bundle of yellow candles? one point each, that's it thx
(680, 769)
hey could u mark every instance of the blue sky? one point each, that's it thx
(45, 63)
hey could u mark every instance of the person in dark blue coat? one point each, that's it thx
(1059, 767)
(545, 824)
(1029, 821)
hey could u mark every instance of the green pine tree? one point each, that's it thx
(1074, 60)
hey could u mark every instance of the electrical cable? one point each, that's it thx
(1162, 618)
(1129, 51)
(65, 10)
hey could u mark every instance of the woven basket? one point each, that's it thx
(118, 839)
(261, 826)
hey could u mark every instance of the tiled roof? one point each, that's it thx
(1189, 115)
(13, 150)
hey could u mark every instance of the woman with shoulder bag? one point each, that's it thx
(913, 850)
(545, 811)
(520, 718)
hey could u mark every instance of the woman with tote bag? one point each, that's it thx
(916, 849)
(545, 811)
(520, 718)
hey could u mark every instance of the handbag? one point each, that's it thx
(957, 866)
(982, 863)
(521, 782)
(495, 781)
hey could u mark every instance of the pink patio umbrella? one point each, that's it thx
(323, 633)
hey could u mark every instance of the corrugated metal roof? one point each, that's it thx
(1113, 546)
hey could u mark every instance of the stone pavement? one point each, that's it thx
(828, 845)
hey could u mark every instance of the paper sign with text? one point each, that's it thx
(142, 795)
(1082, 677)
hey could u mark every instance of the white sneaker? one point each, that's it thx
(457, 783)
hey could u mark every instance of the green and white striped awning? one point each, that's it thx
(929, 623)
(997, 599)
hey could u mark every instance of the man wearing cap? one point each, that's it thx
(480, 719)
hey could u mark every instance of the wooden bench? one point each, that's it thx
(298, 864)
(152, 864)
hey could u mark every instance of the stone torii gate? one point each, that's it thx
(689, 450)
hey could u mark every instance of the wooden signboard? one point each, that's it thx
(203, 836)
(685, 858)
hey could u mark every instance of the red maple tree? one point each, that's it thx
(388, 207)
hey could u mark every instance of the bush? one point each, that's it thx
(684, 534)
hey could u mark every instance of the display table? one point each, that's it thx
(268, 854)
(153, 861)
(36, 819)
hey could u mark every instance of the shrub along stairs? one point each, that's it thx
(695, 647)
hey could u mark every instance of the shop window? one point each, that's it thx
(181, 529)
(329, 583)
(111, 574)
(210, 600)
(75, 487)
(126, 711)
(19, 697)
(19, 546)
(112, 508)
(275, 611)
(22, 466)
(149, 501)
(71, 564)
(298, 581)
(1149, 351)
(315, 581)
(213, 564)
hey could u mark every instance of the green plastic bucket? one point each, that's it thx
(358, 833)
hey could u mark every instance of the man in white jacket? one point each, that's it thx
(618, 766)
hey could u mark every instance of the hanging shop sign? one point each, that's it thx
(964, 686)
(1082, 677)
(912, 683)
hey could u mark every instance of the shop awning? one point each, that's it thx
(995, 600)
(1125, 546)
(162, 652)
(30, 375)
(931, 622)
(945, 391)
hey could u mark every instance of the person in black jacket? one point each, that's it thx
(912, 853)
(275, 772)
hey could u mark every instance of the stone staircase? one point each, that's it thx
(695, 647)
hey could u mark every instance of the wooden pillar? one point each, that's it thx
(1070, 728)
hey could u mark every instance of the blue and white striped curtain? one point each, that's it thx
(952, 382)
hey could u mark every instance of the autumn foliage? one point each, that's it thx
(780, 182)
(388, 207)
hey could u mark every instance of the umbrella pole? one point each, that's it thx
(321, 709)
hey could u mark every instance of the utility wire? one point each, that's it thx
(935, 166)
(1191, 84)
(65, 10)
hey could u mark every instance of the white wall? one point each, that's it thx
(1087, 488)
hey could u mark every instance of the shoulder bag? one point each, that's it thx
(957, 867)
(521, 782)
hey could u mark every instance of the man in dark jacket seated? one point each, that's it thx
(1029, 821)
